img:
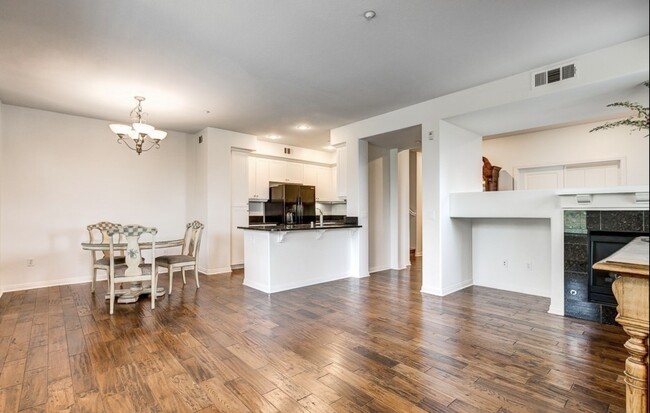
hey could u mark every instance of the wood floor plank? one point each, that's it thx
(222, 398)
(250, 397)
(283, 402)
(10, 399)
(34, 389)
(354, 345)
(12, 373)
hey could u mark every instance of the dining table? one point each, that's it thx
(133, 293)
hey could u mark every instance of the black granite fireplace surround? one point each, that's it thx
(577, 225)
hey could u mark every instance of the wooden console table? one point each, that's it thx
(630, 288)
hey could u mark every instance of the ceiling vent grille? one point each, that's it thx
(554, 75)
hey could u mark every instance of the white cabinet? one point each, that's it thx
(238, 218)
(310, 175)
(325, 184)
(322, 177)
(239, 172)
(258, 179)
(289, 172)
(341, 173)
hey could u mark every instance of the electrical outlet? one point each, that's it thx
(504, 263)
(529, 266)
(31, 262)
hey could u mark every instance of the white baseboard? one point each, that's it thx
(432, 291)
(50, 283)
(377, 269)
(237, 266)
(457, 287)
(557, 310)
(292, 285)
(441, 292)
(215, 271)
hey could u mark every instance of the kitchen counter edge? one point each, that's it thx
(298, 227)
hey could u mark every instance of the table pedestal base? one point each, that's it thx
(131, 295)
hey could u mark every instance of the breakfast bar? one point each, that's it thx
(284, 257)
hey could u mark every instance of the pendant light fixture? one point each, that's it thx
(139, 137)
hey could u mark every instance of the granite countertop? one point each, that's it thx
(298, 227)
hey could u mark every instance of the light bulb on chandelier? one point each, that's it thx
(139, 134)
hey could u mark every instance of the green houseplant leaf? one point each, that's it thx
(636, 122)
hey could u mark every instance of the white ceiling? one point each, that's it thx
(262, 67)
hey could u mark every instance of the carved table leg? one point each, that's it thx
(632, 297)
(636, 370)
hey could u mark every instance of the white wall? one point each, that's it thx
(413, 203)
(524, 246)
(213, 195)
(403, 173)
(460, 171)
(61, 173)
(418, 220)
(601, 70)
(573, 144)
(379, 210)
(1, 176)
(299, 154)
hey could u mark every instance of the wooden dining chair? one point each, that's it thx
(134, 269)
(189, 256)
(98, 234)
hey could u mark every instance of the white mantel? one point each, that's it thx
(512, 208)
(617, 198)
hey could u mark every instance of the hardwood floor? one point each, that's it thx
(370, 345)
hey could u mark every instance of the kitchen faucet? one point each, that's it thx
(320, 216)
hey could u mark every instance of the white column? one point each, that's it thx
(393, 209)
(403, 174)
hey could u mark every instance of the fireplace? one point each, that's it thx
(582, 299)
(602, 244)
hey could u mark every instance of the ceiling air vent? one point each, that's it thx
(554, 75)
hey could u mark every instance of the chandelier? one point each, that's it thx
(139, 134)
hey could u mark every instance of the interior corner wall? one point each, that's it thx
(67, 172)
(403, 199)
(570, 145)
(214, 178)
(1, 177)
(413, 205)
(512, 254)
(394, 211)
(356, 179)
(460, 171)
(418, 203)
(378, 208)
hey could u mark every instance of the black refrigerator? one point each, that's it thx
(291, 204)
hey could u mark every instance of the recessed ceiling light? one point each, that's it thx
(273, 137)
(369, 15)
(329, 147)
(303, 126)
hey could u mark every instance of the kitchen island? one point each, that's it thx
(283, 257)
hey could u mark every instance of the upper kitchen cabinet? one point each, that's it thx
(322, 178)
(325, 185)
(258, 179)
(310, 175)
(288, 172)
(341, 173)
